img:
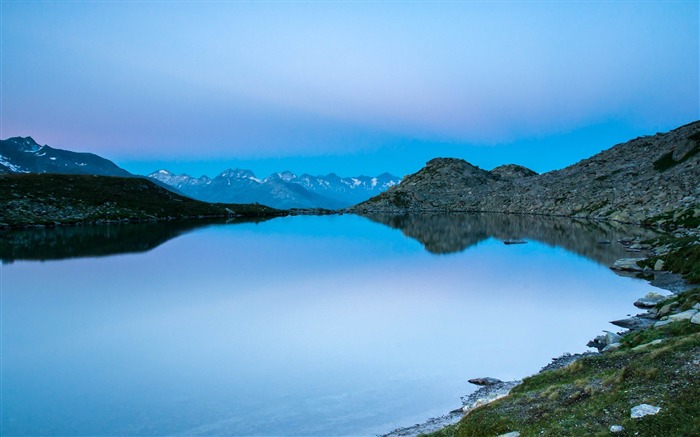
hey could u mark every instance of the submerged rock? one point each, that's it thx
(514, 241)
(644, 410)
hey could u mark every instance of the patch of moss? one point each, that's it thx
(685, 260)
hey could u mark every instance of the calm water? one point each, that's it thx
(335, 325)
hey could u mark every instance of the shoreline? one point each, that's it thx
(661, 279)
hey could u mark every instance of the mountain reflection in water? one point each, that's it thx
(448, 233)
(62, 242)
(439, 234)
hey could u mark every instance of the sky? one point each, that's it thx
(347, 87)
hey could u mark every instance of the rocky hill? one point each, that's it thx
(630, 182)
(53, 199)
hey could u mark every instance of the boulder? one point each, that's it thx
(661, 323)
(685, 315)
(601, 342)
(659, 264)
(644, 410)
(511, 434)
(627, 265)
(650, 300)
(666, 309)
(612, 347)
(696, 319)
(616, 429)
(633, 323)
(612, 337)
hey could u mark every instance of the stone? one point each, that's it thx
(485, 381)
(659, 264)
(612, 337)
(685, 315)
(650, 300)
(627, 265)
(696, 319)
(646, 345)
(665, 310)
(661, 323)
(633, 323)
(615, 429)
(644, 410)
(612, 347)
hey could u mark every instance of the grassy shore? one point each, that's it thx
(52, 199)
(658, 366)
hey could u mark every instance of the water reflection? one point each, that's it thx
(42, 244)
(331, 325)
(448, 233)
(439, 234)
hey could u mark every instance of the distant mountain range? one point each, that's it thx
(279, 190)
(24, 155)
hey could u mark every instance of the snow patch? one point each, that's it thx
(11, 166)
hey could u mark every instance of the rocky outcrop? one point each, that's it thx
(630, 182)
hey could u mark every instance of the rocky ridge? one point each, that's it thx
(24, 155)
(630, 182)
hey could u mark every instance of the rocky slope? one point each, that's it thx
(629, 182)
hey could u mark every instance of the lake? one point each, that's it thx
(332, 325)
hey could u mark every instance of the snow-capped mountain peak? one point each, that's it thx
(283, 190)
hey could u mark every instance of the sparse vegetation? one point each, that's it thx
(50, 199)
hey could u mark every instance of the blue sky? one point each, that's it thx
(349, 87)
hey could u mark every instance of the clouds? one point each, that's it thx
(292, 79)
